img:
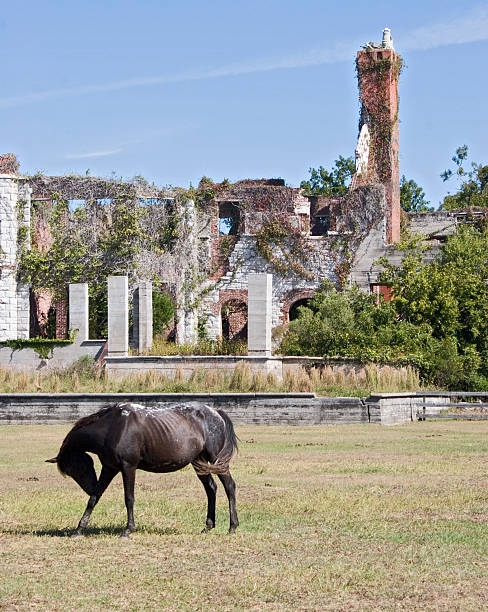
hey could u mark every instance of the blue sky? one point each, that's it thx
(177, 90)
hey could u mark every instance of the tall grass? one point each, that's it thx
(85, 377)
(221, 346)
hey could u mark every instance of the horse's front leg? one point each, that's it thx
(129, 478)
(230, 489)
(106, 477)
(211, 491)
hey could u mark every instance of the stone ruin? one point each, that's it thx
(236, 234)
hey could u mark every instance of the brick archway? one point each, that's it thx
(293, 296)
(232, 307)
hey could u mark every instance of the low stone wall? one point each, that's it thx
(27, 359)
(243, 408)
(397, 408)
(118, 367)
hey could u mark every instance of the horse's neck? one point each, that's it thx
(89, 438)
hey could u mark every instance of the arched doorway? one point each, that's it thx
(293, 312)
(292, 301)
(234, 320)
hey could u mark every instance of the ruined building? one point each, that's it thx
(224, 232)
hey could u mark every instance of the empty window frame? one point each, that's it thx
(229, 218)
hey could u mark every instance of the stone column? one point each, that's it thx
(259, 299)
(23, 311)
(118, 316)
(143, 316)
(78, 310)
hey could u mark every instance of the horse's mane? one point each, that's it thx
(83, 422)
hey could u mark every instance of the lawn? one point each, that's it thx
(344, 517)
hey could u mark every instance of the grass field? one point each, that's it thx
(332, 518)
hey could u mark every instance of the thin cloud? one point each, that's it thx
(472, 27)
(93, 154)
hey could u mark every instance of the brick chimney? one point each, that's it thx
(377, 153)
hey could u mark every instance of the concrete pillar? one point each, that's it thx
(143, 316)
(23, 311)
(118, 316)
(78, 310)
(259, 299)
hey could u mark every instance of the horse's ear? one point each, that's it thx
(53, 460)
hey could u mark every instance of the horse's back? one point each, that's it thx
(164, 439)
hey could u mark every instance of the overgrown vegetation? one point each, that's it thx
(113, 229)
(436, 321)
(44, 347)
(374, 77)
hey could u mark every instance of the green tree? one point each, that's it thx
(412, 197)
(163, 311)
(450, 295)
(473, 184)
(333, 182)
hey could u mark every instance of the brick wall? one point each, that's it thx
(379, 97)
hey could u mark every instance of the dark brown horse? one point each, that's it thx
(127, 437)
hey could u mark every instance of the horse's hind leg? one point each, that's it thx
(211, 491)
(230, 489)
(106, 477)
(129, 478)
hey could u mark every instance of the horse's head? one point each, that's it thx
(80, 467)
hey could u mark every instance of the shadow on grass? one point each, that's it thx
(93, 531)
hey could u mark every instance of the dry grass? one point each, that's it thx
(160, 346)
(83, 377)
(332, 518)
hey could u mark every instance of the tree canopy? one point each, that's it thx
(336, 182)
(437, 319)
(330, 183)
(412, 197)
(472, 184)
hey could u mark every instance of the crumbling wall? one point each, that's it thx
(332, 256)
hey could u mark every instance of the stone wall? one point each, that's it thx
(14, 298)
(299, 409)
(63, 356)
(243, 408)
(397, 408)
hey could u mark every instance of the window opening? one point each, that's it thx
(229, 218)
(320, 224)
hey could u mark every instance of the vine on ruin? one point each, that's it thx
(371, 73)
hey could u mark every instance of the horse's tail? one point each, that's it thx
(230, 446)
(221, 463)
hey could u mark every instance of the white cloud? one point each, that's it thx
(469, 28)
(93, 154)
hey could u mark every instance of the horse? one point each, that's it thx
(128, 436)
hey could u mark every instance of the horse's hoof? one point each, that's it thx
(124, 536)
(232, 530)
(76, 536)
